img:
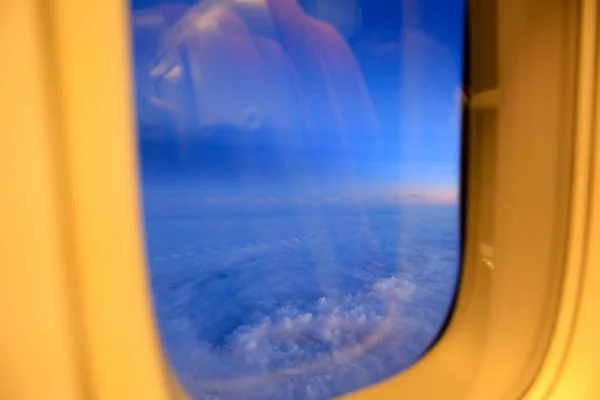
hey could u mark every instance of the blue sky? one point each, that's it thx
(376, 106)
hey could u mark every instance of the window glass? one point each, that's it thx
(300, 167)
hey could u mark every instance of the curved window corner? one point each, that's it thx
(530, 103)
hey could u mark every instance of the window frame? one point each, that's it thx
(89, 232)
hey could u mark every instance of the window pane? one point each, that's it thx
(300, 166)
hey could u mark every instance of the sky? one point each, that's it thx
(332, 95)
(246, 107)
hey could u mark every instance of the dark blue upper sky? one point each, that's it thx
(403, 129)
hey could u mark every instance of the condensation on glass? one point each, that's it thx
(300, 168)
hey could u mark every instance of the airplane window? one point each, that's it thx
(301, 171)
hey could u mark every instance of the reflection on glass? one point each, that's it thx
(300, 170)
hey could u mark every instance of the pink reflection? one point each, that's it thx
(255, 63)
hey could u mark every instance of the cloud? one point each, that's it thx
(246, 309)
(430, 194)
(443, 195)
